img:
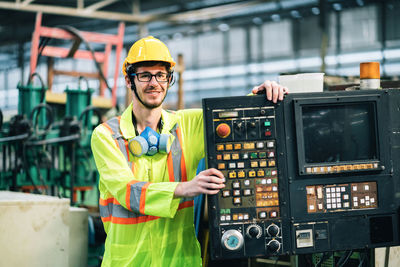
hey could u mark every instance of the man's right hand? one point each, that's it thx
(209, 182)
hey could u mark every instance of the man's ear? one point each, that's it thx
(128, 82)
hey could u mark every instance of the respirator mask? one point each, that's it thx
(149, 142)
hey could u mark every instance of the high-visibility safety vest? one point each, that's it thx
(145, 224)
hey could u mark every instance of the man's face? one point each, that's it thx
(152, 93)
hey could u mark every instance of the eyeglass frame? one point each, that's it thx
(168, 75)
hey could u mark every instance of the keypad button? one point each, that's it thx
(263, 163)
(253, 155)
(238, 146)
(240, 165)
(227, 156)
(248, 145)
(262, 215)
(221, 166)
(241, 174)
(237, 200)
(247, 192)
(235, 156)
(260, 173)
(254, 164)
(232, 174)
(262, 155)
(226, 193)
(273, 214)
(236, 184)
(270, 144)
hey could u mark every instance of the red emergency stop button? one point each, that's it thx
(223, 130)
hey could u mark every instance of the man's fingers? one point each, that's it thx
(275, 91)
(268, 89)
(255, 90)
(213, 172)
(211, 192)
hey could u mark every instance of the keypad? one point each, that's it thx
(252, 172)
(333, 198)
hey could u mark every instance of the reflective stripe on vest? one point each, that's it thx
(111, 210)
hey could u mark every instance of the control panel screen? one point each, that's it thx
(339, 133)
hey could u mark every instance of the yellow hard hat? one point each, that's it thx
(148, 49)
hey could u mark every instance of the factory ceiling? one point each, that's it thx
(159, 17)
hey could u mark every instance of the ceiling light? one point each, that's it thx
(276, 17)
(257, 20)
(223, 27)
(315, 10)
(337, 6)
(295, 14)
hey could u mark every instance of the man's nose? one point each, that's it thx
(153, 80)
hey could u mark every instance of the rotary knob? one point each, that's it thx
(232, 240)
(254, 231)
(223, 130)
(273, 230)
(252, 124)
(273, 246)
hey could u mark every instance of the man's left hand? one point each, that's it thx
(273, 90)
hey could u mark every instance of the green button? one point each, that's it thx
(253, 155)
(222, 211)
(268, 173)
(267, 123)
(227, 211)
(274, 181)
(263, 155)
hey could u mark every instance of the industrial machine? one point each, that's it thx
(46, 149)
(316, 172)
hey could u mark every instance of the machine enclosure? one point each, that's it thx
(300, 210)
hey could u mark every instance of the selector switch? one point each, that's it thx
(254, 231)
(273, 246)
(273, 230)
(223, 130)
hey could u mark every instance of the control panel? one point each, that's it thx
(313, 173)
(247, 212)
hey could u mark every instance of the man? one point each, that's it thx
(146, 200)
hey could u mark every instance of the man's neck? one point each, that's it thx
(146, 117)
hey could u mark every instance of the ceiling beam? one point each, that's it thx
(213, 12)
(75, 12)
(93, 12)
(99, 5)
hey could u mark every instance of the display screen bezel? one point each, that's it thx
(300, 103)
